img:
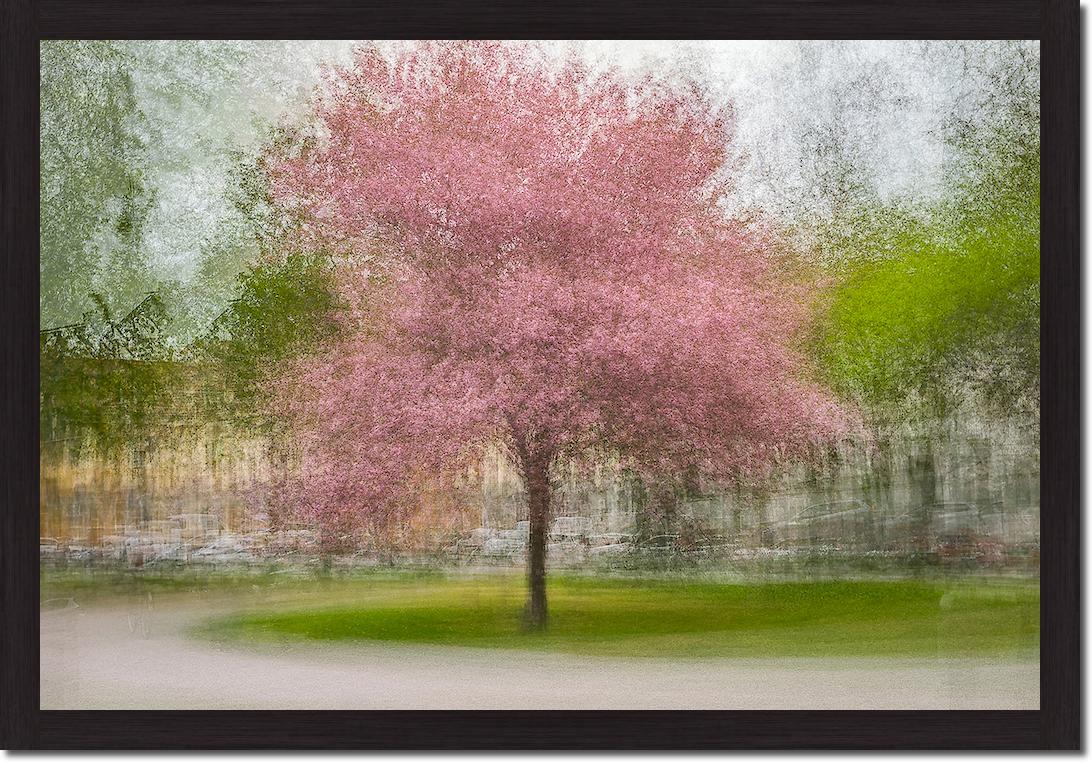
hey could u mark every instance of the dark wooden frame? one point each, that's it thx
(1056, 725)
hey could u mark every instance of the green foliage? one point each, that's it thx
(917, 321)
(268, 222)
(284, 309)
(930, 308)
(107, 381)
(93, 199)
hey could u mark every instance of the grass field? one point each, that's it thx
(619, 617)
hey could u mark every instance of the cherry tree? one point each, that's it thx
(532, 258)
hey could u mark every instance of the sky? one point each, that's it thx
(882, 105)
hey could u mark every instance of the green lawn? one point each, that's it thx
(672, 618)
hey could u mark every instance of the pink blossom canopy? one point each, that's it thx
(534, 258)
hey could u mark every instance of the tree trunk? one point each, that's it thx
(538, 504)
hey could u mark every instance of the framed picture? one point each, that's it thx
(503, 379)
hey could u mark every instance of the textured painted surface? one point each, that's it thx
(586, 240)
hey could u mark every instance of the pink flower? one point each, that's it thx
(546, 269)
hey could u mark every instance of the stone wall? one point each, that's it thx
(988, 463)
(87, 494)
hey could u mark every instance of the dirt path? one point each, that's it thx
(138, 656)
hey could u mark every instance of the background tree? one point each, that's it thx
(108, 380)
(283, 307)
(93, 196)
(283, 310)
(941, 307)
(935, 306)
(531, 256)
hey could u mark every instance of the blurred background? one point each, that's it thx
(162, 300)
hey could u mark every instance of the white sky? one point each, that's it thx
(885, 100)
